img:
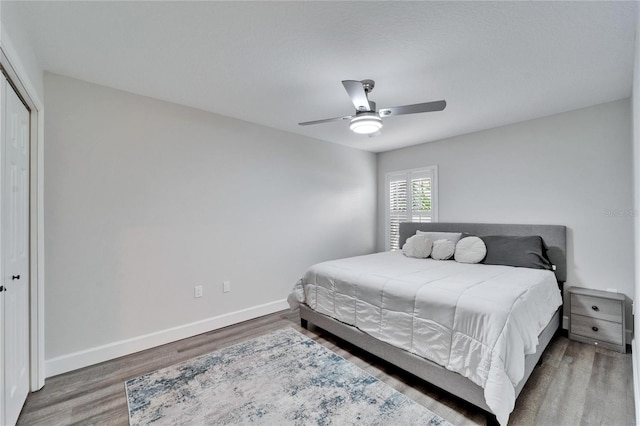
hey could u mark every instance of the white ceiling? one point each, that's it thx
(280, 63)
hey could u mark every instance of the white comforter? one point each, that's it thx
(476, 320)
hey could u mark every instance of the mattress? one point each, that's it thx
(476, 320)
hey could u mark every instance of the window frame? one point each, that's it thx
(408, 174)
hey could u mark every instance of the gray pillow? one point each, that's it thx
(443, 249)
(525, 252)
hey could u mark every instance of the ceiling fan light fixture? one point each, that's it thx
(366, 123)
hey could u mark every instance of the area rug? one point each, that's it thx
(282, 378)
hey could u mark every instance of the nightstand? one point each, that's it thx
(597, 317)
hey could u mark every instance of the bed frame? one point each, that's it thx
(555, 238)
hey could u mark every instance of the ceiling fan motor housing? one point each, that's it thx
(368, 85)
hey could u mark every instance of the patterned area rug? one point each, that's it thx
(282, 378)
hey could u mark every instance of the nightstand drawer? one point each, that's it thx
(596, 329)
(596, 307)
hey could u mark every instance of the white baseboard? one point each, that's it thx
(91, 356)
(636, 379)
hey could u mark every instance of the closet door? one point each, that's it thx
(14, 237)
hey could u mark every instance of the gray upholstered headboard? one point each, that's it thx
(554, 236)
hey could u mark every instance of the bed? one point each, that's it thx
(476, 331)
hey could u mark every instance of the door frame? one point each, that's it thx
(14, 72)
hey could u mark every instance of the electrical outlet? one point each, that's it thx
(197, 291)
(226, 286)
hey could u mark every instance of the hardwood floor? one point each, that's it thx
(576, 384)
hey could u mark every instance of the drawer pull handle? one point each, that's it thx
(595, 308)
(594, 328)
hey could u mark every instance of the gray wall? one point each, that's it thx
(572, 169)
(635, 109)
(146, 199)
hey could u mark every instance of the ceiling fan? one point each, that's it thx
(367, 120)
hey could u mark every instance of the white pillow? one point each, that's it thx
(435, 236)
(417, 246)
(470, 250)
(443, 249)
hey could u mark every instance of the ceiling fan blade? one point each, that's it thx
(326, 120)
(358, 96)
(413, 109)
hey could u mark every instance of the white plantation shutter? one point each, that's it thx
(411, 197)
(397, 208)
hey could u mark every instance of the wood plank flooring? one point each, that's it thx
(576, 384)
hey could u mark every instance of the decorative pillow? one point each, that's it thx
(443, 249)
(417, 246)
(525, 252)
(470, 250)
(435, 236)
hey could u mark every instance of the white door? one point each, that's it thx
(14, 236)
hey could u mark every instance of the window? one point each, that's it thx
(412, 196)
